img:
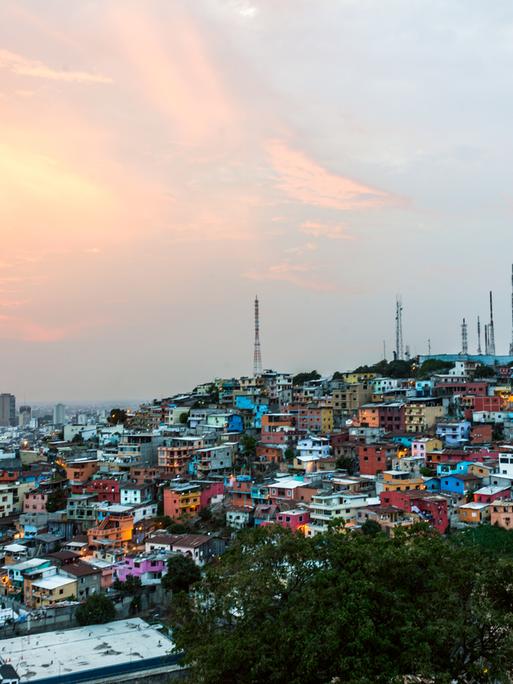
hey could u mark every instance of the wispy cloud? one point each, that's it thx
(305, 180)
(302, 249)
(301, 275)
(325, 230)
(18, 64)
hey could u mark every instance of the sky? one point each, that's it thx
(162, 162)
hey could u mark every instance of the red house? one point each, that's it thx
(489, 494)
(432, 507)
(106, 490)
(375, 458)
(294, 519)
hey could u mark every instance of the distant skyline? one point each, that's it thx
(162, 162)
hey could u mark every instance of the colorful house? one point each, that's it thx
(149, 568)
(459, 483)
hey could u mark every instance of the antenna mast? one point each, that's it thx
(491, 332)
(257, 356)
(464, 338)
(479, 336)
(399, 350)
(511, 343)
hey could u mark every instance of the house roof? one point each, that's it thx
(53, 582)
(80, 569)
(190, 540)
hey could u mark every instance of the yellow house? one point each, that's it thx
(420, 418)
(53, 589)
(401, 481)
(326, 419)
(474, 513)
(354, 378)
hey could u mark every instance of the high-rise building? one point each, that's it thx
(24, 416)
(7, 410)
(59, 414)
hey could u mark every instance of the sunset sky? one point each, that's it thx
(163, 161)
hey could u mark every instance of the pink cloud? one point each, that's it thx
(305, 180)
(295, 274)
(26, 330)
(325, 230)
(178, 75)
(22, 66)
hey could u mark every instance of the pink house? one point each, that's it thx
(210, 491)
(293, 518)
(489, 494)
(35, 501)
(148, 568)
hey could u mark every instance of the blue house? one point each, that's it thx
(432, 484)
(257, 406)
(461, 467)
(235, 423)
(454, 433)
(458, 483)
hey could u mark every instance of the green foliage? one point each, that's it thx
(178, 528)
(392, 369)
(483, 371)
(132, 586)
(301, 378)
(96, 610)
(289, 454)
(182, 573)
(427, 472)
(248, 444)
(117, 416)
(56, 500)
(347, 463)
(489, 539)
(352, 608)
(371, 527)
(432, 366)
(183, 418)
(205, 514)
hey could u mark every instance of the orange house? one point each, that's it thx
(80, 471)
(115, 530)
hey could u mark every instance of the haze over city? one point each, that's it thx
(163, 162)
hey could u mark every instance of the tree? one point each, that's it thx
(96, 610)
(132, 586)
(432, 366)
(347, 463)
(117, 416)
(183, 418)
(56, 500)
(289, 454)
(205, 514)
(306, 376)
(483, 371)
(182, 573)
(381, 609)
(371, 527)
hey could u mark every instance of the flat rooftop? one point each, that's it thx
(54, 654)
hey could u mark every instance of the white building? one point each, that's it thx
(326, 507)
(59, 414)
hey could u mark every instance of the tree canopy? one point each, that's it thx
(96, 610)
(117, 416)
(305, 376)
(349, 607)
(182, 573)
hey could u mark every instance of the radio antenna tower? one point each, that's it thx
(399, 328)
(479, 336)
(464, 338)
(511, 343)
(257, 356)
(491, 331)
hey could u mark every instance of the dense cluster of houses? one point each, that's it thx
(303, 452)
